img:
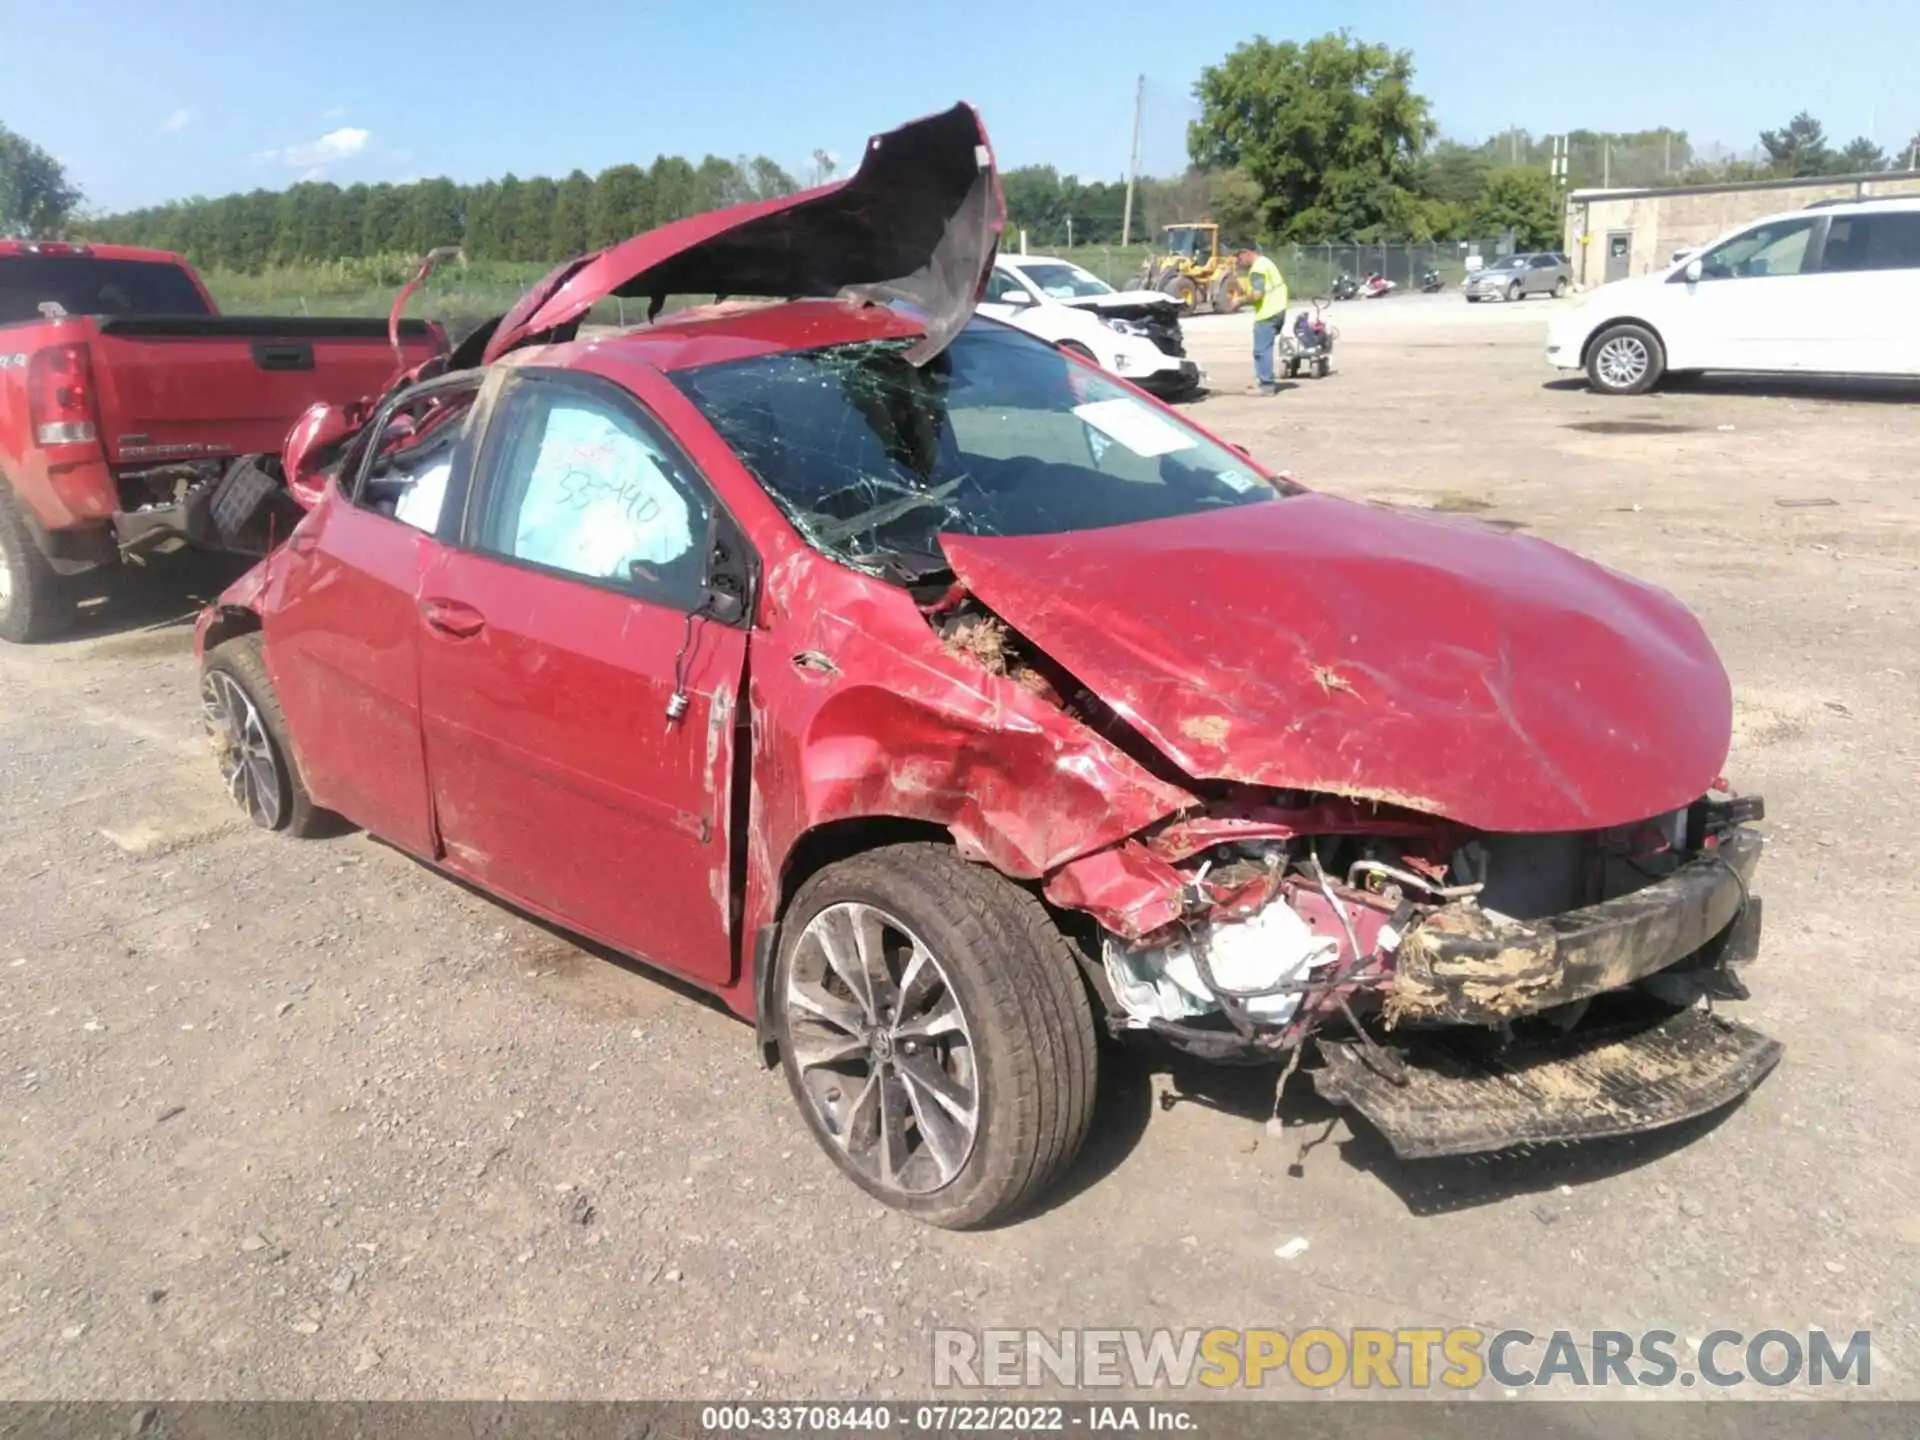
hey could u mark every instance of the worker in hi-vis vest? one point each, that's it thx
(1269, 310)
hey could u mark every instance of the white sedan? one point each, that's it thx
(1134, 334)
(1830, 290)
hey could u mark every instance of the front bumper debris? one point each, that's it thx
(1173, 382)
(1454, 1097)
(1464, 966)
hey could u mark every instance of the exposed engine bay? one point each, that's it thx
(1414, 951)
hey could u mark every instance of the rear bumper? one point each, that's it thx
(1467, 970)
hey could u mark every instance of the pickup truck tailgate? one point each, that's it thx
(185, 387)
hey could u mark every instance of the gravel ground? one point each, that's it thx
(305, 1120)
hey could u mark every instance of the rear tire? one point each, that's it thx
(981, 1092)
(249, 735)
(1625, 359)
(34, 603)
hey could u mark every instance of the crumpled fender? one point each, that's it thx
(857, 712)
(238, 608)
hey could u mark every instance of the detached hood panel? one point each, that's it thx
(919, 221)
(1313, 643)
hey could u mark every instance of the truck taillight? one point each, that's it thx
(60, 395)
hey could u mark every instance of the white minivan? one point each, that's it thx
(1830, 290)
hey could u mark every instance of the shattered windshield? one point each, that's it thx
(1065, 282)
(1000, 434)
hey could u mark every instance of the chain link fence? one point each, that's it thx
(1309, 270)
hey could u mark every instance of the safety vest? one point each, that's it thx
(1273, 303)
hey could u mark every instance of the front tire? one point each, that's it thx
(249, 736)
(1625, 360)
(935, 1033)
(1560, 288)
(1182, 290)
(34, 603)
(1516, 291)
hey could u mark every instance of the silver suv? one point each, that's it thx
(1514, 277)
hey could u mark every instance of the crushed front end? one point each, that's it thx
(1464, 991)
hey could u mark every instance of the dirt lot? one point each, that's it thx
(301, 1120)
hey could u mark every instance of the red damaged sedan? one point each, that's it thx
(939, 703)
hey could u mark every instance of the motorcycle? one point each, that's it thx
(1376, 287)
(1309, 345)
(1345, 288)
(1431, 283)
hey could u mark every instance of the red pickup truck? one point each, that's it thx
(133, 415)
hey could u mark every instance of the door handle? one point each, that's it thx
(450, 617)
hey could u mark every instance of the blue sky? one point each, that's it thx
(149, 101)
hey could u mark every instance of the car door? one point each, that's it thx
(1753, 303)
(341, 624)
(1870, 264)
(580, 674)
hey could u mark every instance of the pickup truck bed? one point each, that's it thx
(118, 430)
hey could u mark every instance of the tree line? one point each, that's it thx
(536, 219)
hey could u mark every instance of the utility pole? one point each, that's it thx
(1606, 164)
(1133, 162)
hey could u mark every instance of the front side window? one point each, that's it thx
(1065, 282)
(1778, 247)
(578, 483)
(1003, 289)
(873, 459)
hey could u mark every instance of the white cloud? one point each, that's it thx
(336, 112)
(314, 157)
(176, 122)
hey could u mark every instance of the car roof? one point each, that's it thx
(88, 249)
(1020, 261)
(1862, 207)
(715, 334)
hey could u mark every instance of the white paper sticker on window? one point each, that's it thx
(597, 501)
(1135, 426)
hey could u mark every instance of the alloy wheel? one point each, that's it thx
(883, 1049)
(1622, 361)
(241, 748)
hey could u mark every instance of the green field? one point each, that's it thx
(461, 296)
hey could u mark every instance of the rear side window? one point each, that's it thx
(1873, 242)
(87, 285)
